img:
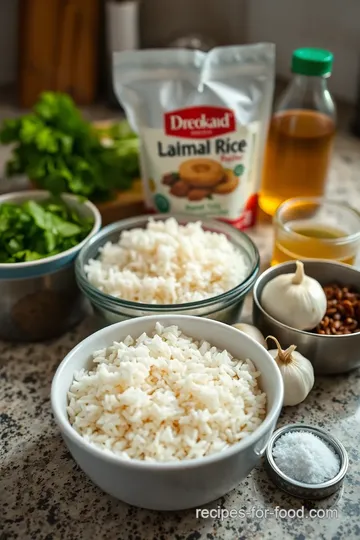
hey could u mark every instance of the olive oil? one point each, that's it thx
(312, 242)
(324, 232)
(297, 156)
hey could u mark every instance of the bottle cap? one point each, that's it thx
(313, 62)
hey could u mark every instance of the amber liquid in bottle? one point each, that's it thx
(296, 158)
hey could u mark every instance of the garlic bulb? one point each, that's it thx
(297, 373)
(296, 300)
(251, 331)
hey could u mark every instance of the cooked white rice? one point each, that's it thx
(167, 263)
(165, 397)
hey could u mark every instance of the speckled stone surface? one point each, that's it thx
(45, 496)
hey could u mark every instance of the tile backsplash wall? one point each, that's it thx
(220, 21)
(289, 24)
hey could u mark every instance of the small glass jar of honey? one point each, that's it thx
(316, 228)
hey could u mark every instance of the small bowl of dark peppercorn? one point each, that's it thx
(334, 345)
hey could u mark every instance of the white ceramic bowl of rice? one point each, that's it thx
(163, 420)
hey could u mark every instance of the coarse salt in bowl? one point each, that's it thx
(168, 263)
(325, 486)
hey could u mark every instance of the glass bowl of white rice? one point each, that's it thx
(160, 264)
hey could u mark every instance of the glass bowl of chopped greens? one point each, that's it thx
(164, 263)
(40, 237)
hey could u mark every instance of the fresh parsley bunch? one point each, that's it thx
(61, 152)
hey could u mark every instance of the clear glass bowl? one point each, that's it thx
(225, 307)
(316, 228)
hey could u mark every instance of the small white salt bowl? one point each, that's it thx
(176, 485)
(300, 489)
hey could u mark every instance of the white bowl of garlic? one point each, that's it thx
(293, 302)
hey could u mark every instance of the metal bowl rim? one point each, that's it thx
(335, 443)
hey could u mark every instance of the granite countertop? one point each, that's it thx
(45, 496)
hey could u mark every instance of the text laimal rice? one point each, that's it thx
(167, 263)
(165, 397)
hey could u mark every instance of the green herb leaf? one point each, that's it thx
(34, 230)
(61, 151)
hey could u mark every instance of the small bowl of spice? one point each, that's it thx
(314, 305)
(306, 461)
(342, 313)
